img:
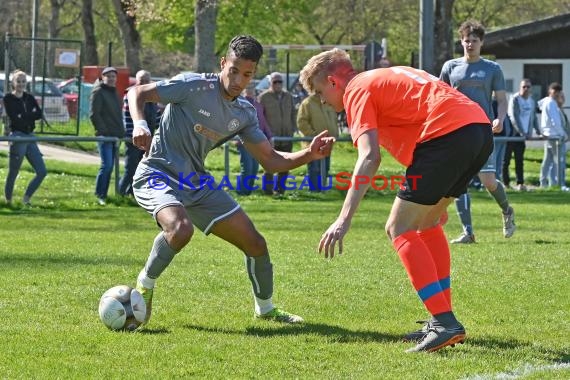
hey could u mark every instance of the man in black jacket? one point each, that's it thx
(106, 116)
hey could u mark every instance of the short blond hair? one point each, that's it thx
(17, 74)
(322, 65)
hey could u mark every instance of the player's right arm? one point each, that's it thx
(137, 97)
(444, 75)
(364, 170)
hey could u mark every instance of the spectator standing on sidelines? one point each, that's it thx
(479, 78)
(522, 114)
(552, 128)
(22, 110)
(106, 116)
(202, 112)
(280, 113)
(299, 94)
(133, 155)
(248, 164)
(313, 117)
(440, 135)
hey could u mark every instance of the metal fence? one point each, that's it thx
(227, 150)
(47, 62)
(116, 140)
(557, 142)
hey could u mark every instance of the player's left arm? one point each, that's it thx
(502, 106)
(276, 161)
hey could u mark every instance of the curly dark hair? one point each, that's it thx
(245, 47)
(472, 27)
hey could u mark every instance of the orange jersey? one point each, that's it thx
(407, 106)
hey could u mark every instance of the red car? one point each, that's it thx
(70, 90)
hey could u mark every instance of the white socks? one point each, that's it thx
(146, 281)
(263, 306)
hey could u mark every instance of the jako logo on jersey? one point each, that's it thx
(478, 74)
(204, 112)
(233, 125)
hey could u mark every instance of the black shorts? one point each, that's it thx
(443, 167)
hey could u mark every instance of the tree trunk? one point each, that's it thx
(53, 26)
(91, 58)
(131, 38)
(205, 27)
(443, 33)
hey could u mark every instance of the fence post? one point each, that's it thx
(227, 160)
(4, 118)
(324, 173)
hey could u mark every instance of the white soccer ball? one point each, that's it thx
(122, 308)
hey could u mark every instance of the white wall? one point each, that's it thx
(513, 70)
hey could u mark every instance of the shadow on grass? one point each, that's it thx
(337, 334)
(33, 259)
(501, 344)
(160, 331)
(59, 205)
(541, 241)
(333, 334)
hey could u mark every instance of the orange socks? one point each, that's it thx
(434, 238)
(417, 259)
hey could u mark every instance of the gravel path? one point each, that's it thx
(54, 152)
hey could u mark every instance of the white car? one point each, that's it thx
(48, 96)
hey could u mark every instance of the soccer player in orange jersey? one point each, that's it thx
(440, 135)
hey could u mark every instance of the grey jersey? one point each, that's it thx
(477, 80)
(197, 119)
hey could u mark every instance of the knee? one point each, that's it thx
(390, 230)
(179, 234)
(257, 246)
(106, 169)
(41, 173)
(490, 182)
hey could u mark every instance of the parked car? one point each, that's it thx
(48, 96)
(263, 84)
(70, 90)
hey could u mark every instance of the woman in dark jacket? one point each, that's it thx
(23, 111)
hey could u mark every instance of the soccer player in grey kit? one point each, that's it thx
(479, 78)
(202, 112)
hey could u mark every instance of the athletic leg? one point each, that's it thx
(406, 218)
(17, 154)
(177, 230)
(463, 207)
(496, 189)
(239, 230)
(35, 158)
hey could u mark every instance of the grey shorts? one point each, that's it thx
(154, 191)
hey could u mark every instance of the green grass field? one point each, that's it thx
(59, 256)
